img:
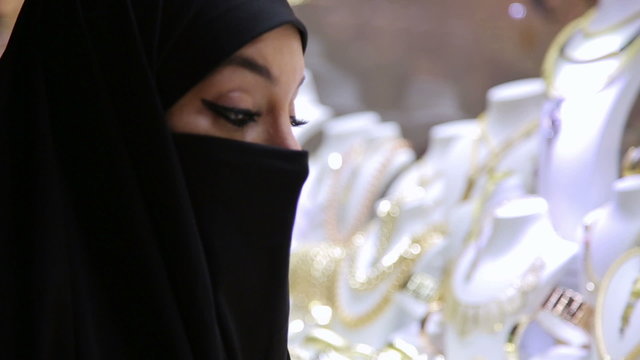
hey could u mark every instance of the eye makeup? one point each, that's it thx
(241, 117)
(234, 116)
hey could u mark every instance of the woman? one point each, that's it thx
(149, 179)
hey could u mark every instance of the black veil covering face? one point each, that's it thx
(119, 240)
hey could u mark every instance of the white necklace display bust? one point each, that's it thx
(503, 278)
(593, 74)
(609, 231)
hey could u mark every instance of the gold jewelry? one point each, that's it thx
(388, 212)
(556, 50)
(634, 354)
(564, 55)
(632, 301)
(489, 316)
(599, 312)
(494, 177)
(496, 153)
(385, 262)
(627, 20)
(423, 287)
(401, 266)
(311, 274)
(512, 347)
(631, 161)
(399, 349)
(569, 305)
(374, 188)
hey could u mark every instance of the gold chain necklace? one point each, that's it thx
(557, 50)
(489, 316)
(496, 153)
(401, 267)
(625, 21)
(489, 168)
(632, 301)
(388, 214)
(336, 196)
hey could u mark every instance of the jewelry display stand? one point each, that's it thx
(349, 171)
(617, 316)
(593, 75)
(500, 163)
(609, 231)
(497, 284)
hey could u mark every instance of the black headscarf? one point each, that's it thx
(119, 240)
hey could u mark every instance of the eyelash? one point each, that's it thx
(241, 117)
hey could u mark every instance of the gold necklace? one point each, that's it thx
(557, 50)
(607, 29)
(312, 271)
(496, 153)
(388, 213)
(512, 347)
(401, 267)
(632, 300)
(374, 188)
(490, 315)
(489, 167)
(599, 313)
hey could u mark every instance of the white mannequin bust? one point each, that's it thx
(511, 117)
(505, 278)
(418, 193)
(359, 154)
(338, 135)
(612, 229)
(593, 71)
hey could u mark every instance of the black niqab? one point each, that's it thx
(103, 252)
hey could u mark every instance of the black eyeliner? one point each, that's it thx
(235, 116)
(297, 122)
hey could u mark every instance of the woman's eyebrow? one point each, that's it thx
(251, 65)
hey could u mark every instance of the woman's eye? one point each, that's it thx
(297, 122)
(234, 116)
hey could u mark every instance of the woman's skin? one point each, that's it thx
(250, 96)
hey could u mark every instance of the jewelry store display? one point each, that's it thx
(557, 50)
(341, 184)
(399, 267)
(496, 153)
(613, 277)
(403, 262)
(488, 316)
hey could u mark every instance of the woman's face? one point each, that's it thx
(250, 96)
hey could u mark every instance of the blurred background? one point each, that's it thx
(423, 62)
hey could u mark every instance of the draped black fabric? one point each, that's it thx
(102, 253)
